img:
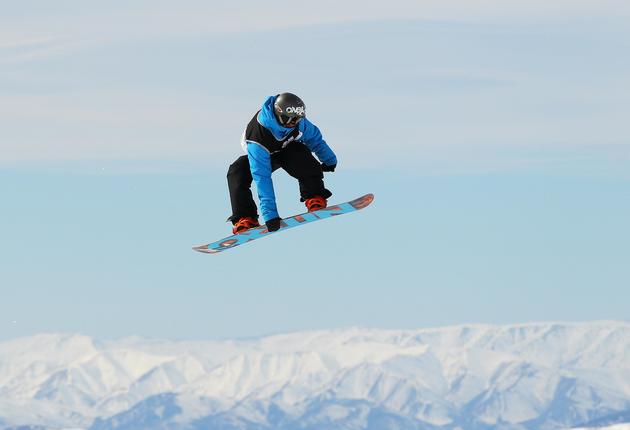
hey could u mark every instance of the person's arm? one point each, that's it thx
(314, 141)
(260, 166)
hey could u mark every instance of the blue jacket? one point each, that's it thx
(264, 136)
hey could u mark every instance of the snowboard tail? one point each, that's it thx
(286, 223)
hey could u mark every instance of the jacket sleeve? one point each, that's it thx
(313, 140)
(260, 166)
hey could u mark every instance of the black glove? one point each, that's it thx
(273, 224)
(327, 168)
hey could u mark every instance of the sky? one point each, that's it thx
(494, 136)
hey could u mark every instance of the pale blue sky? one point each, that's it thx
(494, 138)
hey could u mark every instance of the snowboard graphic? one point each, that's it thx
(294, 221)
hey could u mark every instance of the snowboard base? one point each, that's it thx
(286, 223)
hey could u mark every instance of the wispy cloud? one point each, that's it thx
(158, 80)
(110, 125)
(117, 20)
(8, 41)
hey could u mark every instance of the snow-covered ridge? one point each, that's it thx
(547, 375)
(612, 427)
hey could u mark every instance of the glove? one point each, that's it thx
(326, 168)
(273, 224)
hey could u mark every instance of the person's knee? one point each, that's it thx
(309, 168)
(239, 168)
(314, 173)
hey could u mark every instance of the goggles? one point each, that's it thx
(289, 121)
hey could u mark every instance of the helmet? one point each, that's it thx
(289, 109)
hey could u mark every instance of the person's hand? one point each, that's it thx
(273, 224)
(327, 168)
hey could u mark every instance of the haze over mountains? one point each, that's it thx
(531, 376)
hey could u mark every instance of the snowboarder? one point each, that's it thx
(279, 135)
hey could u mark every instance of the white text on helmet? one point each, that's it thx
(297, 110)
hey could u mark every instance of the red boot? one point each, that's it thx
(315, 203)
(244, 224)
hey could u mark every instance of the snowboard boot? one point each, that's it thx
(315, 203)
(244, 224)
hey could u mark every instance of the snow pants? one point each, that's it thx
(296, 159)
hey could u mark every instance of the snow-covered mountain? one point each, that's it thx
(531, 376)
(612, 427)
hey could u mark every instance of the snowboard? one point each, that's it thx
(285, 224)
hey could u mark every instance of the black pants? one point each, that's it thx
(295, 159)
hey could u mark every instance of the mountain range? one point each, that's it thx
(472, 377)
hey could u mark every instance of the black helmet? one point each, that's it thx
(289, 108)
